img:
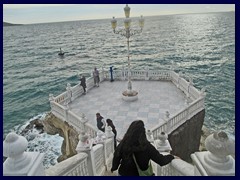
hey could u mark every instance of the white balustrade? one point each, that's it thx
(217, 161)
(98, 160)
(181, 168)
(170, 124)
(77, 121)
(162, 144)
(108, 152)
(73, 166)
(19, 162)
(61, 98)
(77, 91)
(177, 120)
(149, 135)
(108, 147)
(57, 109)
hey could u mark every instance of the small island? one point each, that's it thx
(10, 24)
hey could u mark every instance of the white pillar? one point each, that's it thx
(179, 79)
(108, 147)
(108, 132)
(69, 93)
(19, 162)
(123, 73)
(166, 119)
(51, 97)
(149, 136)
(162, 144)
(217, 161)
(85, 145)
(146, 73)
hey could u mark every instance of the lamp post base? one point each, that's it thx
(130, 95)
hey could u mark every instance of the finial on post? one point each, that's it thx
(217, 160)
(19, 162)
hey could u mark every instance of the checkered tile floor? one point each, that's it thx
(154, 99)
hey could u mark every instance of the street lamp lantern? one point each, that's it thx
(141, 22)
(128, 32)
(114, 23)
(127, 23)
(127, 11)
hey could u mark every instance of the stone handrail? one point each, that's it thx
(58, 110)
(182, 168)
(181, 83)
(177, 120)
(177, 167)
(108, 150)
(172, 123)
(140, 75)
(73, 166)
(77, 91)
(98, 160)
(79, 123)
(60, 99)
(216, 161)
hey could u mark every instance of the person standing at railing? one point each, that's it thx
(110, 123)
(100, 122)
(83, 83)
(135, 148)
(96, 77)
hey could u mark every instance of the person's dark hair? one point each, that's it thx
(134, 139)
(109, 121)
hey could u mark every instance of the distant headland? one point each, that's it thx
(10, 24)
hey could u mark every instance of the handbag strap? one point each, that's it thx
(137, 163)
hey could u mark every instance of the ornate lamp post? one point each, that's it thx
(127, 32)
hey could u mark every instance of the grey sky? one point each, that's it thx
(41, 13)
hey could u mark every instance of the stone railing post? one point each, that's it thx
(108, 132)
(66, 109)
(166, 119)
(172, 67)
(123, 73)
(69, 93)
(109, 135)
(85, 145)
(149, 135)
(189, 85)
(146, 73)
(217, 161)
(51, 97)
(179, 78)
(202, 92)
(18, 162)
(162, 144)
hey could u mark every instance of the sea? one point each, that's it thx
(198, 45)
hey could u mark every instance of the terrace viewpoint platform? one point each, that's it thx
(154, 99)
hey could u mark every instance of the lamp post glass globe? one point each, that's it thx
(114, 23)
(127, 11)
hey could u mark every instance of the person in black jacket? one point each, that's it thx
(135, 142)
(83, 83)
(110, 123)
(100, 122)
